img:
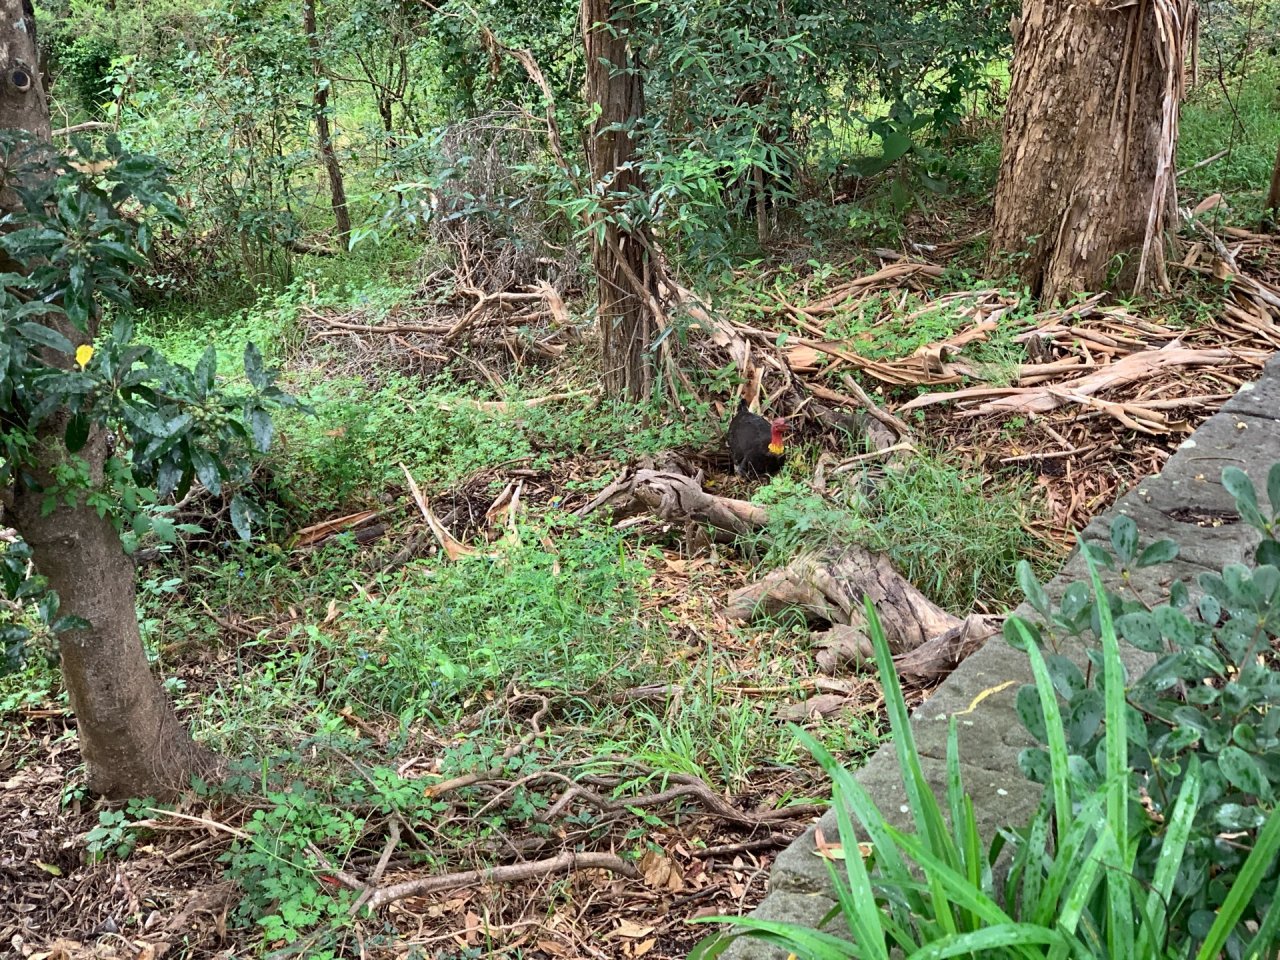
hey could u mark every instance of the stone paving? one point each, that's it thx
(1185, 503)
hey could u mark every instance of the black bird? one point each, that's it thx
(755, 444)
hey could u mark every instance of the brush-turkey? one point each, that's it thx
(755, 444)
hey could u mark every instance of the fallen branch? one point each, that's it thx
(562, 863)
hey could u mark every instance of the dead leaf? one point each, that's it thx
(823, 705)
(631, 930)
(1207, 204)
(661, 872)
(644, 946)
(553, 948)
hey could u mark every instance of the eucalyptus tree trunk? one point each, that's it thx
(1086, 191)
(621, 253)
(130, 739)
(324, 135)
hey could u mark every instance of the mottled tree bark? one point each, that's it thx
(130, 738)
(324, 136)
(1086, 189)
(626, 287)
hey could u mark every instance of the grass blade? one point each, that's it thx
(1242, 891)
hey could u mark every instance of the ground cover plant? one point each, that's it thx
(464, 647)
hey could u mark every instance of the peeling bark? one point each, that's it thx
(1085, 191)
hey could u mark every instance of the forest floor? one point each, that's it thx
(491, 674)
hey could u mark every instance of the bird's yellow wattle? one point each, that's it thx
(775, 448)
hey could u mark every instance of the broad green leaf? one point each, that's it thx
(241, 517)
(1162, 551)
(1237, 483)
(77, 433)
(43, 336)
(253, 368)
(1032, 589)
(1244, 772)
(206, 468)
(1124, 539)
(261, 426)
(895, 145)
(206, 372)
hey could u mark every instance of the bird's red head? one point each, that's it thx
(777, 428)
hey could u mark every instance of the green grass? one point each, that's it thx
(952, 533)
(1250, 133)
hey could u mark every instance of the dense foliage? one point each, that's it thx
(83, 223)
(1158, 832)
(1205, 710)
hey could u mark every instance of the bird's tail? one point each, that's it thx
(743, 406)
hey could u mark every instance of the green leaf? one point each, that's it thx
(206, 372)
(1175, 626)
(1236, 816)
(77, 433)
(1032, 589)
(896, 144)
(1068, 679)
(241, 517)
(1237, 483)
(261, 426)
(1141, 630)
(1124, 539)
(253, 369)
(1162, 551)
(1268, 552)
(206, 468)
(1273, 489)
(1030, 711)
(1244, 772)
(38, 333)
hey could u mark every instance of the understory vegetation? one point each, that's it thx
(410, 620)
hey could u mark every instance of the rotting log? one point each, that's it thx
(827, 586)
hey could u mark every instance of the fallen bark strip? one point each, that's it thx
(1126, 370)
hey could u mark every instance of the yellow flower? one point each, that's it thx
(84, 353)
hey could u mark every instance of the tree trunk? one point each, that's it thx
(1086, 188)
(130, 738)
(132, 743)
(626, 286)
(324, 138)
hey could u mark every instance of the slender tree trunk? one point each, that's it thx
(1086, 189)
(130, 739)
(625, 282)
(324, 138)
(132, 743)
